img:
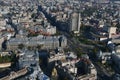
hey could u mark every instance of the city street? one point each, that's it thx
(76, 46)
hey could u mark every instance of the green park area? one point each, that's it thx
(7, 58)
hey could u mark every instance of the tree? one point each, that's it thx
(95, 50)
(39, 46)
(8, 58)
(57, 33)
(29, 48)
(32, 34)
(79, 55)
(33, 15)
(21, 46)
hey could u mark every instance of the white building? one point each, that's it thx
(4, 10)
(2, 22)
(51, 30)
(112, 31)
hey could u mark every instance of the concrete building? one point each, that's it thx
(51, 30)
(48, 30)
(72, 66)
(2, 22)
(104, 56)
(117, 49)
(55, 57)
(30, 59)
(4, 53)
(116, 76)
(75, 22)
(102, 1)
(1, 41)
(116, 61)
(4, 10)
(46, 42)
(14, 75)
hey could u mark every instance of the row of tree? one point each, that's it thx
(21, 46)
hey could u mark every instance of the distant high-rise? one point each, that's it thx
(75, 22)
(102, 1)
(119, 11)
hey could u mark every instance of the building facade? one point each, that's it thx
(46, 42)
(75, 22)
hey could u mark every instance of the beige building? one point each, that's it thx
(112, 31)
(54, 74)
